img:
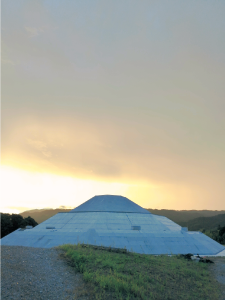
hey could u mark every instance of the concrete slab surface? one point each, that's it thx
(157, 234)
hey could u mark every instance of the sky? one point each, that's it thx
(113, 97)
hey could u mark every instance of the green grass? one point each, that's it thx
(110, 275)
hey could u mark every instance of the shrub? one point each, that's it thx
(10, 223)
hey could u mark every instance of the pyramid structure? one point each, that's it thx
(115, 221)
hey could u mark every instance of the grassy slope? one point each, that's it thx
(132, 276)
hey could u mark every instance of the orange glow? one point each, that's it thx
(36, 190)
(23, 190)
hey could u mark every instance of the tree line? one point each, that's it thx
(10, 223)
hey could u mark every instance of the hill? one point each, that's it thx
(181, 217)
(40, 215)
(207, 223)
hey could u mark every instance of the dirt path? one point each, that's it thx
(37, 273)
(218, 270)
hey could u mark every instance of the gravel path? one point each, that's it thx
(38, 273)
(218, 270)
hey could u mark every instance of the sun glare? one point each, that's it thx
(9, 210)
(40, 190)
(24, 190)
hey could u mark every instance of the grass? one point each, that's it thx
(110, 275)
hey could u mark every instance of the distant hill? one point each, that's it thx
(207, 223)
(40, 215)
(180, 217)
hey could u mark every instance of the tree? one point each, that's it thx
(222, 231)
(16, 221)
(221, 237)
(6, 225)
(28, 221)
(10, 223)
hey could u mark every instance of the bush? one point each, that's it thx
(217, 235)
(10, 223)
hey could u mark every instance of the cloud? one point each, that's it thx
(119, 150)
(65, 207)
(7, 61)
(35, 31)
(32, 31)
(112, 95)
(5, 55)
(110, 148)
(40, 146)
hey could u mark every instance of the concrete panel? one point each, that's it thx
(158, 235)
(110, 203)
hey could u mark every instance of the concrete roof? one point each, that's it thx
(110, 203)
(139, 232)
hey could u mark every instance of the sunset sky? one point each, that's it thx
(113, 97)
